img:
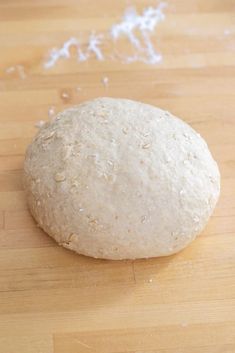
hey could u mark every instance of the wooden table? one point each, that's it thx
(52, 300)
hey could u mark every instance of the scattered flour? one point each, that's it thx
(63, 52)
(19, 69)
(93, 46)
(137, 28)
(10, 69)
(65, 95)
(39, 124)
(51, 112)
(105, 81)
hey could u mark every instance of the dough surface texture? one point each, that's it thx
(119, 179)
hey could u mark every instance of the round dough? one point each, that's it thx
(119, 179)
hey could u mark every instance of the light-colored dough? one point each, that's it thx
(118, 179)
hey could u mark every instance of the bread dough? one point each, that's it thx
(119, 179)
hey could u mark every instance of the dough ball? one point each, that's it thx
(119, 179)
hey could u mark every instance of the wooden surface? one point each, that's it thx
(52, 300)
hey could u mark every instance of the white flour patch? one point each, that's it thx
(137, 28)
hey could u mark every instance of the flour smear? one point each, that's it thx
(137, 29)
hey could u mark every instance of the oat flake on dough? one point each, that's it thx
(118, 179)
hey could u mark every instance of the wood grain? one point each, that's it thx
(54, 301)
